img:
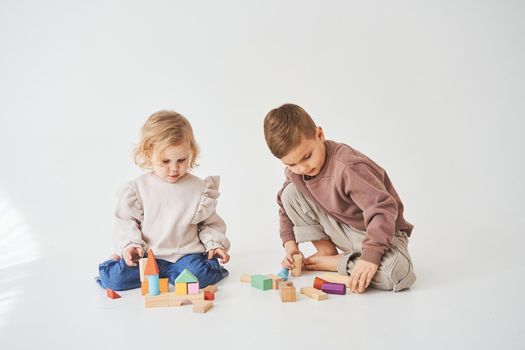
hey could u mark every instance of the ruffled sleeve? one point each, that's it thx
(212, 229)
(208, 201)
(128, 219)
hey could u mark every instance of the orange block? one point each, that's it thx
(144, 287)
(163, 285)
(209, 295)
(151, 265)
(318, 283)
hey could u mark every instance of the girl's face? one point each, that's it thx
(172, 163)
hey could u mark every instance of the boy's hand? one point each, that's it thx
(362, 275)
(221, 253)
(291, 248)
(132, 255)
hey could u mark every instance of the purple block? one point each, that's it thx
(334, 288)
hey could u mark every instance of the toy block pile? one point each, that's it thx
(186, 288)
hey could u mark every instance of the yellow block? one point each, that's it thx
(181, 289)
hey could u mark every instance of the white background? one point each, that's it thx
(431, 90)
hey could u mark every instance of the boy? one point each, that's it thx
(336, 197)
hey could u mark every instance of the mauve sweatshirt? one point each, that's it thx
(355, 191)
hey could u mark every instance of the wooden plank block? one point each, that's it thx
(161, 300)
(178, 300)
(297, 265)
(164, 285)
(336, 278)
(142, 267)
(334, 288)
(246, 278)
(275, 280)
(314, 293)
(202, 306)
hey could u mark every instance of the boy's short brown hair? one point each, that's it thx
(285, 126)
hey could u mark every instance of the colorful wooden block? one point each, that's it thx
(163, 285)
(186, 276)
(261, 282)
(314, 293)
(318, 283)
(171, 299)
(151, 264)
(246, 278)
(193, 288)
(202, 306)
(334, 288)
(297, 265)
(209, 295)
(144, 287)
(153, 284)
(284, 274)
(112, 294)
(181, 288)
(336, 278)
(275, 280)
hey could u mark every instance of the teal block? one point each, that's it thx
(261, 282)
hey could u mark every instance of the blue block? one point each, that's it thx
(283, 274)
(153, 284)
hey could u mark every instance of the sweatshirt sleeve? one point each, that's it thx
(285, 224)
(212, 229)
(128, 218)
(367, 190)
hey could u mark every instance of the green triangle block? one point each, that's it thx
(186, 277)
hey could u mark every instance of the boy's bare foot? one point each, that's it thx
(319, 262)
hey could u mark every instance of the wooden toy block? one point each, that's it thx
(151, 264)
(209, 295)
(261, 282)
(297, 265)
(112, 294)
(275, 280)
(181, 288)
(336, 278)
(164, 285)
(334, 288)
(202, 306)
(144, 287)
(153, 284)
(186, 277)
(161, 300)
(283, 274)
(142, 268)
(287, 292)
(171, 299)
(211, 288)
(246, 278)
(318, 283)
(314, 293)
(193, 288)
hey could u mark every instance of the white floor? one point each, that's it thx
(54, 303)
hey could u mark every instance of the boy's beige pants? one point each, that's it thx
(312, 224)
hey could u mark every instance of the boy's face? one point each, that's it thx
(308, 157)
(172, 163)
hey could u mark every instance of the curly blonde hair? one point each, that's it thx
(161, 130)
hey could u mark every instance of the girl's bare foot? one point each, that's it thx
(114, 257)
(321, 262)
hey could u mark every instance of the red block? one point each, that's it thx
(112, 294)
(209, 295)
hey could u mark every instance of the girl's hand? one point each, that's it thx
(291, 248)
(132, 255)
(362, 275)
(221, 253)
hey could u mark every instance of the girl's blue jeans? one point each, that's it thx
(115, 274)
